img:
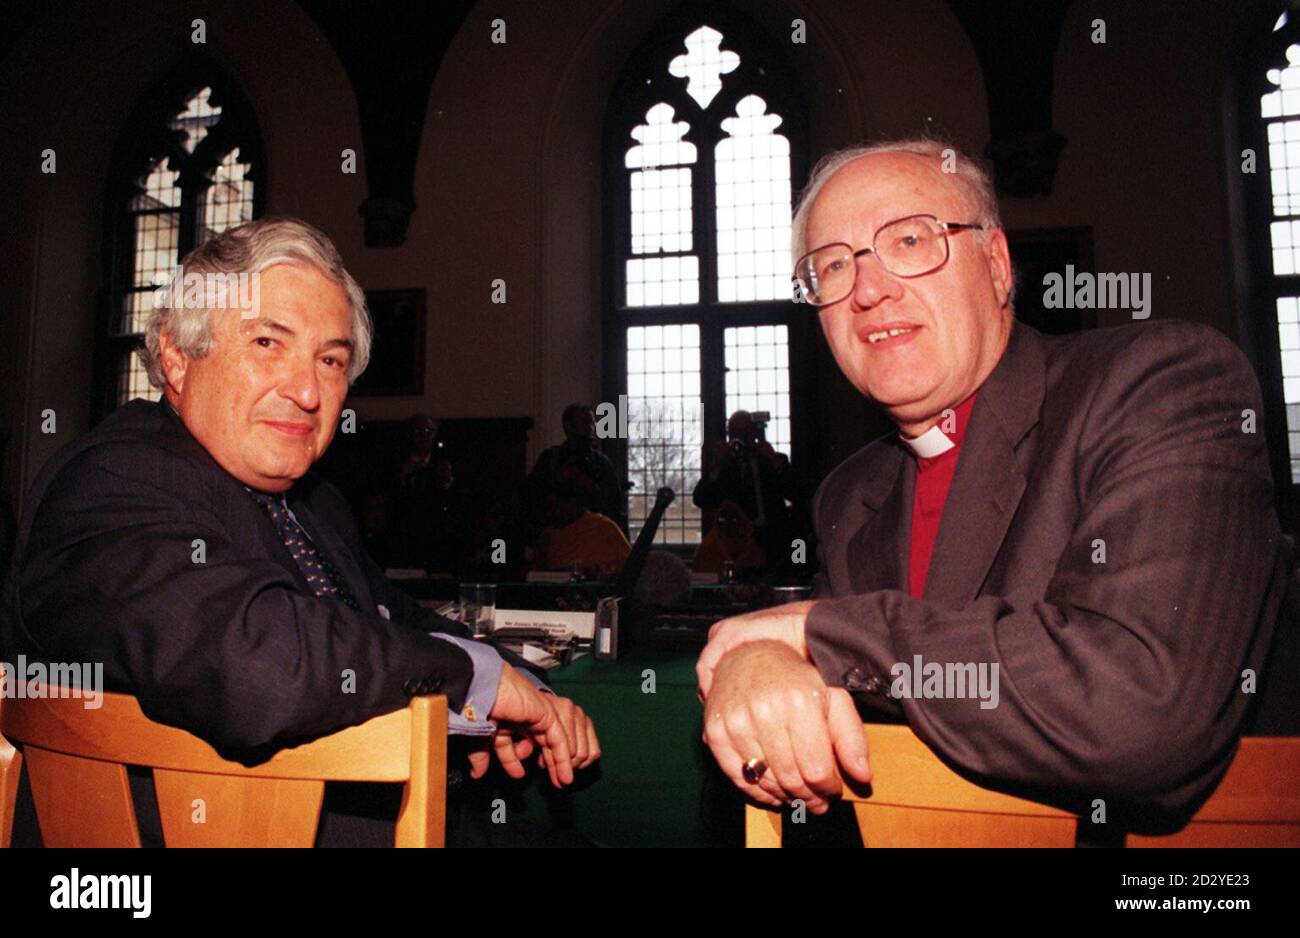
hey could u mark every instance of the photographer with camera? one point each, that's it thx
(746, 470)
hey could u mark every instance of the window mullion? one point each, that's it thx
(192, 188)
(705, 194)
(712, 362)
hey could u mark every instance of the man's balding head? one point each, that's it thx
(949, 326)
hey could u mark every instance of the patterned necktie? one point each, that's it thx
(321, 575)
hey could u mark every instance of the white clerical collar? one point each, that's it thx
(933, 442)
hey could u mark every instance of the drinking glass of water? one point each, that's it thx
(478, 607)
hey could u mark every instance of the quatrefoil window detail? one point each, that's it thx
(704, 64)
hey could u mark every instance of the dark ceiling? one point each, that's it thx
(391, 52)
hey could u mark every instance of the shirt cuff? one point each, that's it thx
(482, 696)
(533, 679)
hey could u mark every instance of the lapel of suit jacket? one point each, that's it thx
(990, 478)
(877, 554)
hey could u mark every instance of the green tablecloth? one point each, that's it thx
(656, 784)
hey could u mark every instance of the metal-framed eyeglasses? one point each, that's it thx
(906, 247)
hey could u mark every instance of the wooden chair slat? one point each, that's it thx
(202, 810)
(1262, 784)
(1257, 803)
(81, 802)
(422, 820)
(118, 731)
(1224, 834)
(11, 770)
(762, 828)
(906, 773)
(892, 826)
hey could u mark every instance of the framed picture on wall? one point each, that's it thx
(397, 351)
(1037, 252)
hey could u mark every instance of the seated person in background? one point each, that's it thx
(373, 521)
(419, 456)
(449, 517)
(575, 538)
(579, 465)
(187, 546)
(730, 540)
(748, 471)
(428, 516)
(498, 543)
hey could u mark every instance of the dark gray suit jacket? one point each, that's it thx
(232, 646)
(1119, 680)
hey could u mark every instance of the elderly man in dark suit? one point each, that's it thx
(1081, 527)
(187, 545)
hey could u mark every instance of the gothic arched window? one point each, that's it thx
(704, 143)
(189, 167)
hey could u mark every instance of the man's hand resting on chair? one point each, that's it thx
(764, 701)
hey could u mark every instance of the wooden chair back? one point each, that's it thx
(1257, 802)
(11, 766)
(916, 800)
(77, 762)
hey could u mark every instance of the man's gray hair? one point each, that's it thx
(969, 174)
(251, 249)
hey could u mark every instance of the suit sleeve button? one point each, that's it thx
(855, 679)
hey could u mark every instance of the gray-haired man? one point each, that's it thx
(186, 545)
(1079, 526)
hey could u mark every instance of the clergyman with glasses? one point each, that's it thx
(1056, 570)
